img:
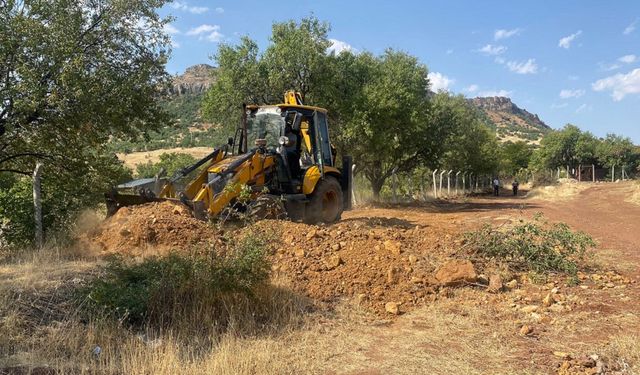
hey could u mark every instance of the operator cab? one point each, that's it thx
(298, 134)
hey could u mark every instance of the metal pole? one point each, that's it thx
(441, 173)
(449, 182)
(457, 173)
(435, 190)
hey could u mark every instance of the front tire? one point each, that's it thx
(325, 203)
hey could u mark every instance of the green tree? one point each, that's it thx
(615, 150)
(515, 156)
(459, 139)
(74, 74)
(385, 124)
(558, 148)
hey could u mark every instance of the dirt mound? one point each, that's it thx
(376, 261)
(160, 226)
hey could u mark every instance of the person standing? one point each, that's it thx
(496, 186)
(515, 185)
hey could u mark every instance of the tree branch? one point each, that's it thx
(16, 171)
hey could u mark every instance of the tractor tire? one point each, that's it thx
(267, 207)
(325, 203)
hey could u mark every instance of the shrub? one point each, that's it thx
(160, 289)
(534, 246)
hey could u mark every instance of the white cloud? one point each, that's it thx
(439, 81)
(566, 41)
(628, 59)
(219, 10)
(495, 93)
(472, 88)
(561, 105)
(449, 51)
(583, 107)
(504, 34)
(170, 29)
(181, 5)
(566, 94)
(491, 50)
(338, 46)
(620, 84)
(207, 32)
(631, 28)
(175, 44)
(573, 78)
(526, 67)
(500, 60)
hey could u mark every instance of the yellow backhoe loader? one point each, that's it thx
(280, 161)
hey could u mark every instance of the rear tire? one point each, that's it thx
(325, 203)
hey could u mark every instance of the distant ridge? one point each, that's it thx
(511, 122)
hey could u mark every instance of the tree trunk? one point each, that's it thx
(37, 205)
(376, 187)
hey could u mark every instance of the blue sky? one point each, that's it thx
(568, 61)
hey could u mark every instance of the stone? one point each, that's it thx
(392, 308)
(312, 233)
(548, 300)
(343, 244)
(529, 309)
(413, 259)
(361, 298)
(495, 283)
(456, 272)
(416, 280)
(393, 247)
(525, 330)
(392, 275)
(300, 253)
(562, 355)
(335, 247)
(333, 261)
(512, 284)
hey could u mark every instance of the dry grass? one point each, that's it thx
(634, 193)
(465, 331)
(562, 192)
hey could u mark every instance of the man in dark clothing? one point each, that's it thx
(515, 185)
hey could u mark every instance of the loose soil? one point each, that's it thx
(381, 255)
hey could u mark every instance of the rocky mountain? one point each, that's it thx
(195, 80)
(511, 122)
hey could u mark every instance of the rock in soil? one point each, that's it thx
(456, 272)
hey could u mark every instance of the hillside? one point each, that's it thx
(188, 130)
(511, 122)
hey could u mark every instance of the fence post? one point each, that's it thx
(613, 172)
(353, 189)
(457, 173)
(37, 204)
(394, 182)
(579, 172)
(463, 182)
(449, 182)
(441, 173)
(435, 190)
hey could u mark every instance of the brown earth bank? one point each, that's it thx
(420, 306)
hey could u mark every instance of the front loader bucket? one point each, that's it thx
(115, 201)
